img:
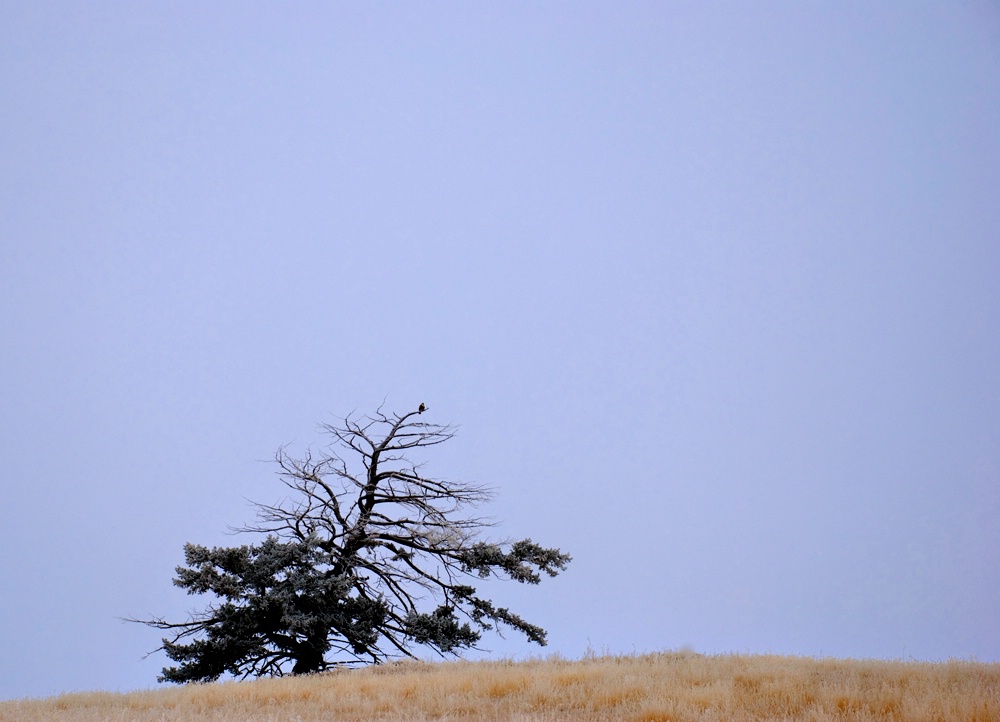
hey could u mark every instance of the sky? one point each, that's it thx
(710, 290)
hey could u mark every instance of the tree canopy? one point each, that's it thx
(366, 559)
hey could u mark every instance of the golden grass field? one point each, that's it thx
(641, 688)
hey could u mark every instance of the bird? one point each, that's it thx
(421, 409)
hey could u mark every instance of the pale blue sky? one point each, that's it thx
(711, 289)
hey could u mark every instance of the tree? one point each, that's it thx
(348, 563)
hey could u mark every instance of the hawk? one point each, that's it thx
(421, 409)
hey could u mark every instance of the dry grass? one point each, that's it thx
(670, 687)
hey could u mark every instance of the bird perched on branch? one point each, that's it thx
(421, 409)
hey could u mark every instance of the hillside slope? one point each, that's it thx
(649, 688)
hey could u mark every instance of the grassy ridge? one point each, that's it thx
(665, 687)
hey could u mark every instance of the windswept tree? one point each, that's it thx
(366, 559)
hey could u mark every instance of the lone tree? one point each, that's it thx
(349, 561)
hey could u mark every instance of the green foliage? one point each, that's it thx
(347, 562)
(441, 629)
(485, 559)
(281, 602)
